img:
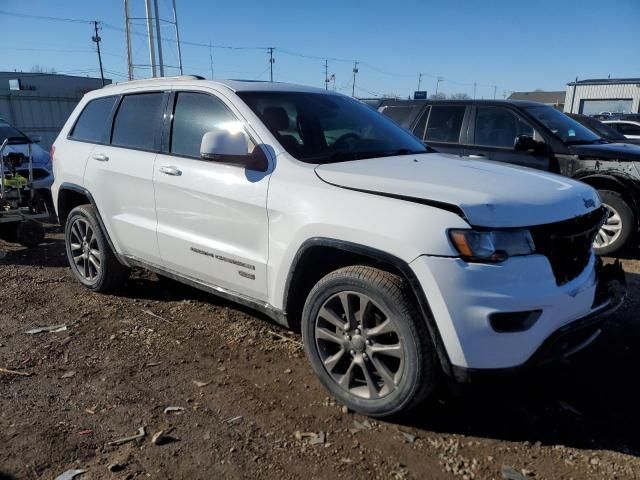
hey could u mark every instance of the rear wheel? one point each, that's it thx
(92, 261)
(367, 342)
(618, 227)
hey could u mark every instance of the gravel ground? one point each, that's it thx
(249, 405)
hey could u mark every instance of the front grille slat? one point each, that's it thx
(567, 244)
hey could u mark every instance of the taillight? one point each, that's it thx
(51, 152)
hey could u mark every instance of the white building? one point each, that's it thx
(615, 95)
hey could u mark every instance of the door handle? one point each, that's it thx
(478, 155)
(170, 170)
(101, 157)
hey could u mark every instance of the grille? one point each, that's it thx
(567, 244)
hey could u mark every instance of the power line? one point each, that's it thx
(42, 17)
(270, 50)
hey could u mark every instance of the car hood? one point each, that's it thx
(490, 194)
(608, 151)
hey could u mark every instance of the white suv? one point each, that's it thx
(397, 263)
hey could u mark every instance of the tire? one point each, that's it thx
(8, 231)
(405, 354)
(619, 227)
(98, 269)
(30, 234)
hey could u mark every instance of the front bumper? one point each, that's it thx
(463, 296)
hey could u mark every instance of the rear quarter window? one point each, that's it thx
(92, 124)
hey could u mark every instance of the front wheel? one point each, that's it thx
(619, 226)
(367, 342)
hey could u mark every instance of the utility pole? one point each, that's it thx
(128, 36)
(152, 51)
(96, 38)
(438, 80)
(495, 89)
(271, 61)
(175, 22)
(159, 37)
(474, 90)
(419, 80)
(326, 74)
(211, 58)
(355, 71)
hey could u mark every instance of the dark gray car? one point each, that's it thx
(537, 136)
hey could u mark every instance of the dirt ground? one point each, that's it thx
(249, 405)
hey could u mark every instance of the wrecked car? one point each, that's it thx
(399, 264)
(537, 136)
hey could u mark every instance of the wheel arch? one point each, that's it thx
(71, 195)
(319, 256)
(625, 187)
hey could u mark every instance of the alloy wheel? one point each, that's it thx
(85, 250)
(610, 230)
(359, 345)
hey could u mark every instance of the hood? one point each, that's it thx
(490, 194)
(608, 151)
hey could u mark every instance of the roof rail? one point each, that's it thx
(141, 80)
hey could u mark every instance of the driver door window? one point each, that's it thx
(194, 115)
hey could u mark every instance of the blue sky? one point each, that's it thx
(512, 44)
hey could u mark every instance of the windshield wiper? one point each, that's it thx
(582, 142)
(342, 156)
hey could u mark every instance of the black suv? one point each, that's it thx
(538, 136)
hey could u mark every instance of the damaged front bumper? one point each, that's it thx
(569, 339)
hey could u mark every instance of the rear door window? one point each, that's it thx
(194, 115)
(137, 122)
(445, 123)
(498, 127)
(92, 124)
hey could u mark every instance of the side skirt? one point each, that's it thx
(275, 314)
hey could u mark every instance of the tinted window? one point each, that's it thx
(445, 123)
(323, 128)
(398, 114)
(137, 121)
(563, 127)
(418, 130)
(498, 127)
(7, 131)
(92, 122)
(194, 115)
(628, 129)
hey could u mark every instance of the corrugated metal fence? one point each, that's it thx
(37, 113)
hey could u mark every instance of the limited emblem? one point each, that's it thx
(589, 203)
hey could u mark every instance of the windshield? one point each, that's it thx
(323, 128)
(7, 131)
(605, 131)
(563, 127)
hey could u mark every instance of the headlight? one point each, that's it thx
(491, 246)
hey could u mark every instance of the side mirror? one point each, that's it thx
(233, 149)
(35, 138)
(524, 143)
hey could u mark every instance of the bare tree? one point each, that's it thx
(438, 96)
(459, 96)
(37, 68)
